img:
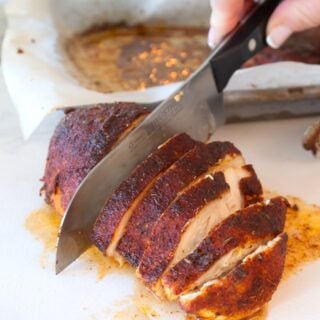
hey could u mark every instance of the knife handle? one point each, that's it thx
(242, 44)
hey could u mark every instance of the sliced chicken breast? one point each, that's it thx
(183, 226)
(251, 187)
(115, 214)
(214, 156)
(226, 245)
(245, 289)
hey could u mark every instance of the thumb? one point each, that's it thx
(292, 16)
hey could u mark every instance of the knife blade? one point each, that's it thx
(195, 108)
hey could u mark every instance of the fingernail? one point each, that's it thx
(211, 40)
(278, 36)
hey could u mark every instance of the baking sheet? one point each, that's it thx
(36, 29)
(30, 290)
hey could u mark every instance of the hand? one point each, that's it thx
(290, 16)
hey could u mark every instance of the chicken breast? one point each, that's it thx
(111, 222)
(188, 220)
(81, 139)
(226, 245)
(245, 289)
(185, 171)
(179, 217)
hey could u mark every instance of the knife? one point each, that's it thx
(195, 108)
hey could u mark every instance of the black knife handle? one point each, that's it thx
(243, 43)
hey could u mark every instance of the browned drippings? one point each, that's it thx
(122, 58)
(302, 226)
(143, 305)
(44, 224)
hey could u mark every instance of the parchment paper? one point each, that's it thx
(39, 81)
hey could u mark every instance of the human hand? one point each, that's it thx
(289, 17)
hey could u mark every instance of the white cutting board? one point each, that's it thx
(30, 292)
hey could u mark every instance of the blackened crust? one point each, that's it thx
(184, 171)
(251, 187)
(168, 230)
(245, 289)
(257, 222)
(121, 200)
(81, 139)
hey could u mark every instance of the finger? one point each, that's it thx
(292, 16)
(224, 17)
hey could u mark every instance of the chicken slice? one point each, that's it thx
(226, 245)
(116, 212)
(245, 289)
(214, 156)
(251, 187)
(188, 220)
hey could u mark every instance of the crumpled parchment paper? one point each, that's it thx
(39, 81)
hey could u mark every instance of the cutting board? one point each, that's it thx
(29, 288)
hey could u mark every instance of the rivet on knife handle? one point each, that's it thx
(242, 44)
